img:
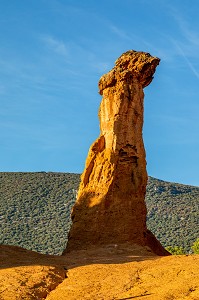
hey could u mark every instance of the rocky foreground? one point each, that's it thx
(112, 272)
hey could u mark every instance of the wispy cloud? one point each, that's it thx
(130, 37)
(189, 33)
(74, 54)
(100, 66)
(186, 58)
(56, 45)
(119, 32)
(187, 42)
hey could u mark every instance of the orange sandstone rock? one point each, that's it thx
(110, 207)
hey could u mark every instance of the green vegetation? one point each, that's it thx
(173, 213)
(35, 211)
(175, 250)
(195, 247)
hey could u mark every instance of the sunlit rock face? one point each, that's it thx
(110, 207)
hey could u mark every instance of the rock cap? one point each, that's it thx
(131, 65)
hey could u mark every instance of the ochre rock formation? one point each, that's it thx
(110, 207)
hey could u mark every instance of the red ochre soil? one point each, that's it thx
(111, 272)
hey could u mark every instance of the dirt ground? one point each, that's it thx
(112, 272)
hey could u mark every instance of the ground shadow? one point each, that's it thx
(13, 256)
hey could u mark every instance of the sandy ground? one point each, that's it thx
(113, 272)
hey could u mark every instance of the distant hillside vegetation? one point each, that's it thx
(173, 212)
(35, 210)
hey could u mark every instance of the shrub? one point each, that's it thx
(176, 250)
(195, 247)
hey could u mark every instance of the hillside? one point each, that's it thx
(173, 212)
(35, 210)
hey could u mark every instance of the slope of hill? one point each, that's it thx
(35, 210)
(173, 212)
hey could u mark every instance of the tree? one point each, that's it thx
(195, 247)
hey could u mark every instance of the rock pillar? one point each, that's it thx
(110, 207)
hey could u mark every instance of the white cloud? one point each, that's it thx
(186, 43)
(190, 35)
(56, 45)
(188, 61)
(101, 66)
(119, 32)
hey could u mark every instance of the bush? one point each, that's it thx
(176, 250)
(195, 247)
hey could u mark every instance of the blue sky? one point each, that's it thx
(53, 53)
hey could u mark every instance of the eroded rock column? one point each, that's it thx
(110, 207)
